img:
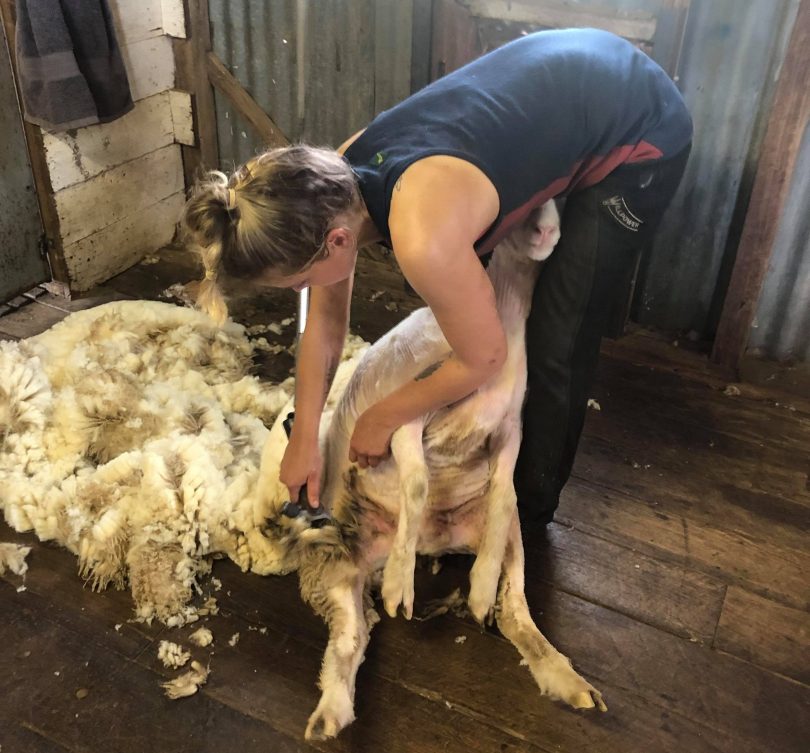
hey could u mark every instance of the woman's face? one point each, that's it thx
(337, 266)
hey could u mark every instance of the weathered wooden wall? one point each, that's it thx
(118, 187)
(321, 70)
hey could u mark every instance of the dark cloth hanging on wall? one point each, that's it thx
(70, 66)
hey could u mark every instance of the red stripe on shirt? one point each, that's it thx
(585, 174)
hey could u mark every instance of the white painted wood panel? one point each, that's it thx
(79, 155)
(102, 255)
(137, 19)
(107, 198)
(181, 115)
(150, 66)
(174, 18)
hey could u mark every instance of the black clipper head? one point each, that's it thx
(315, 517)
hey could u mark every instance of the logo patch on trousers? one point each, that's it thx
(618, 210)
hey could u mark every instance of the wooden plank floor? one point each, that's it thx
(675, 576)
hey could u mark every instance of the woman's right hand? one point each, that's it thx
(302, 464)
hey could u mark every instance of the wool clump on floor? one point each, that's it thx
(188, 683)
(131, 434)
(202, 637)
(172, 654)
(12, 557)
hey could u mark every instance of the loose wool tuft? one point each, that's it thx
(132, 434)
(12, 557)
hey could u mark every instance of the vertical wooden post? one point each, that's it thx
(421, 44)
(191, 75)
(788, 121)
(39, 166)
(454, 38)
(670, 27)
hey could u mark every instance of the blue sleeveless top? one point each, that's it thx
(545, 115)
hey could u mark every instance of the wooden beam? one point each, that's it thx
(39, 164)
(556, 14)
(788, 121)
(191, 76)
(670, 29)
(191, 154)
(393, 29)
(454, 40)
(421, 44)
(247, 107)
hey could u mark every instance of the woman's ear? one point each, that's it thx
(339, 238)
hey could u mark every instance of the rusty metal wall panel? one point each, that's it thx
(309, 64)
(726, 72)
(782, 326)
(22, 266)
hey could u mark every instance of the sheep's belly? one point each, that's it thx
(455, 529)
(458, 484)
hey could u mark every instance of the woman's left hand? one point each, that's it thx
(371, 440)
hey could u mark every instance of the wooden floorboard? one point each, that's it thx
(685, 453)
(480, 678)
(752, 708)
(29, 320)
(661, 528)
(765, 633)
(53, 583)
(759, 484)
(271, 677)
(641, 669)
(675, 577)
(24, 736)
(697, 402)
(669, 595)
(124, 708)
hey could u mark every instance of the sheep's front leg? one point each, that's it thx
(551, 670)
(408, 453)
(501, 506)
(349, 628)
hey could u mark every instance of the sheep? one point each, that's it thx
(447, 487)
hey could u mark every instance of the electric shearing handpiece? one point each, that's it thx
(314, 517)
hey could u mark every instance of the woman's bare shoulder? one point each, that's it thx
(442, 194)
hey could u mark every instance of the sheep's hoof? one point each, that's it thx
(482, 611)
(327, 722)
(589, 700)
(558, 678)
(483, 592)
(397, 587)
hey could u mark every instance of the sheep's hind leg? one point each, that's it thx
(342, 606)
(501, 507)
(408, 453)
(551, 670)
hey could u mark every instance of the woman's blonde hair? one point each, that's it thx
(272, 213)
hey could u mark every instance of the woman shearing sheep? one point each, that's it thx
(441, 178)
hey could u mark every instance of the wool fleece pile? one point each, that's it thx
(132, 434)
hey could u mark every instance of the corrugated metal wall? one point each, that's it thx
(730, 55)
(322, 70)
(782, 325)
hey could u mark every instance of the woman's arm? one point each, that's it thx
(318, 358)
(440, 206)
